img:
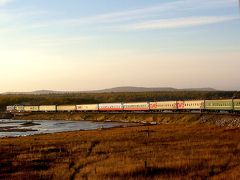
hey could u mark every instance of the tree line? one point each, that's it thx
(88, 98)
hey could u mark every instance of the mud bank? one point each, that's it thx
(220, 120)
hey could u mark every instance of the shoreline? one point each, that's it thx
(27, 128)
(224, 120)
(4, 115)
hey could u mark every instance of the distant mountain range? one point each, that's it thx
(116, 89)
(154, 89)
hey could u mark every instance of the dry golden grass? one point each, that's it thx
(146, 152)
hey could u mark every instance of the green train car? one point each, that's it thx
(236, 104)
(218, 105)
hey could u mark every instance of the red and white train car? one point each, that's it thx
(190, 105)
(163, 105)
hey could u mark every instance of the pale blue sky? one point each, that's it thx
(83, 45)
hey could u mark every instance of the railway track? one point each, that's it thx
(134, 112)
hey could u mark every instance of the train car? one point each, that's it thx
(48, 108)
(236, 104)
(10, 109)
(141, 106)
(163, 105)
(191, 105)
(110, 107)
(19, 108)
(31, 108)
(67, 108)
(219, 105)
(87, 107)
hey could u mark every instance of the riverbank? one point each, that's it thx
(144, 152)
(16, 128)
(226, 120)
(5, 115)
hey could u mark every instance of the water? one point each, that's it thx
(15, 128)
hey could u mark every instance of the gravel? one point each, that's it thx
(223, 121)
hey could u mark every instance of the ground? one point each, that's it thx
(144, 152)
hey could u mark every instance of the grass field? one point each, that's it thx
(144, 152)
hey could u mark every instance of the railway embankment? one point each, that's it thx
(226, 120)
(5, 115)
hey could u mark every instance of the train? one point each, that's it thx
(227, 105)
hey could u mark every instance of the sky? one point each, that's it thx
(80, 45)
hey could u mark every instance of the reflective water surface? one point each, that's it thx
(15, 128)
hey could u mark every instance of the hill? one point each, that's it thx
(116, 89)
(154, 89)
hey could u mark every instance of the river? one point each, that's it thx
(16, 128)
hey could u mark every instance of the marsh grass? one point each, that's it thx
(146, 152)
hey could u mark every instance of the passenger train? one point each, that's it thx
(227, 105)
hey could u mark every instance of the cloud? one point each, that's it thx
(158, 9)
(158, 16)
(139, 14)
(57, 41)
(4, 2)
(177, 23)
